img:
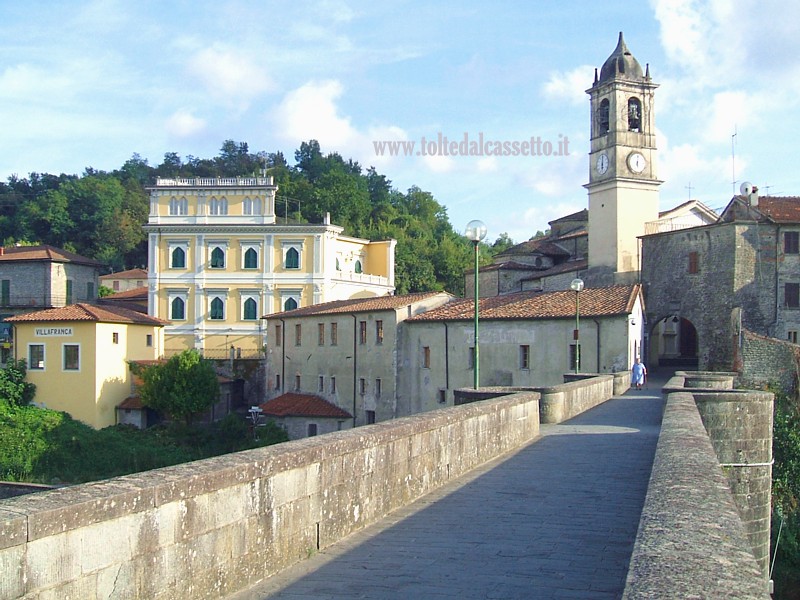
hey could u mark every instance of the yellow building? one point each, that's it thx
(219, 260)
(78, 355)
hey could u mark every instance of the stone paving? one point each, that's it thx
(556, 519)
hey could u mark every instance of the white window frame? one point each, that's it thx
(211, 295)
(218, 206)
(64, 357)
(44, 357)
(244, 297)
(183, 245)
(183, 295)
(178, 207)
(298, 245)
(257, 246)
(286, 294)
(252, 206)
(223, 245)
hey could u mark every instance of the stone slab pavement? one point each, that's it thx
(555, 519)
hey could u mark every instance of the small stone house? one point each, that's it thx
(306, 415)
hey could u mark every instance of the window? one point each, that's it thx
(573, 358)
(217, 258)
(277, 382)
(471, 357)
(114, 338)
(378, 388)
(370, 417)
(334, 334)
(333, 384)
(72, 357)
(321, 384)
(362, 332)
(312, 429)
(115, 285)
(338, 266)
(139, 283)
(5, 292)
(378, 332)
(791, 242)
(694, 263)
(177, 310)
(792, 336)
(277, 335)
(90, 290)
(525, 357)
(36, 357)
(321, 334)
(442, 396)
(148, 340)
(218, 206)
(292, 259)
(250, 309)
(791, 295)
(69, 291)
(603, 117)
(426, 357)
(290, 304)
(634, 115)
(251, 258)
(178, 206)
(178, 258)
(362, 386)
(358, 266)
(297, 383)
(217, 312)
(252, 206)
(298, 334)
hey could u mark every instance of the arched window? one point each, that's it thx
(178, 206)
(217, 309)
(292, 258)
(251, 259)
(338, 266)
(178, 260)
(634, 115)
(290, 304)
(250, 309)
(603, 116)
(358, 266)
(178, 309)
(223, 206)
(217, 258)
(252, 206)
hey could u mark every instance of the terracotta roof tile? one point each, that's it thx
(87, 312)
(594, 302)
(131, 403)
(544, 246)
(136, 293)
(44, 253)
(566, 267)
(129, 274)
(302, 405)
(783, 209)
(355, 305)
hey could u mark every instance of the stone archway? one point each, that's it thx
(674, 343)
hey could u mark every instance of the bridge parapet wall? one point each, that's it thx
(209, 528)
(704, 530)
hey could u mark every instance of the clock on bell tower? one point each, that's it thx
(623, 185)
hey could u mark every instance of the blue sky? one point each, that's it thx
(88, 83)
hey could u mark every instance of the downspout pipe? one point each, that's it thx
(355, 365)
(597, 331)
(283, 355)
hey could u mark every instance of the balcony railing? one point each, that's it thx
(213, 181)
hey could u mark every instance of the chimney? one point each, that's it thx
(2, 250)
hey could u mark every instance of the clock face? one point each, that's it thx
(602, 164)
(636, 162)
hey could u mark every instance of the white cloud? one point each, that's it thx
(183, 123)
(569, 86)
(230, 76)
(310, 112)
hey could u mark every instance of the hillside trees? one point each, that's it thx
(100, 215)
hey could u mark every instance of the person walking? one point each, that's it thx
(638, 374)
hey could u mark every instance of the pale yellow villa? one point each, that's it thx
(219, 260)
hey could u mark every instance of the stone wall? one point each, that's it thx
(767, 361)
(691, 542)
(208, 528)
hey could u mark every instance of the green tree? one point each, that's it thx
(13, 388)
(502, 243)
(183, 386)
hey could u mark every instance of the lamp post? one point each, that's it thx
(577, 286)
(476, 231)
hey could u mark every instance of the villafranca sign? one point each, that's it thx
(53, 331)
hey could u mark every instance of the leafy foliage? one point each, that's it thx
(181, 387)
(100, 215)
(14, 390)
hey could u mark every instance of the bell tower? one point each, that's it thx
(623, 183)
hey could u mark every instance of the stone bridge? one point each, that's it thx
(572, 491)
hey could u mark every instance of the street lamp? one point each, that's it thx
(476, 231)
(577, 286)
